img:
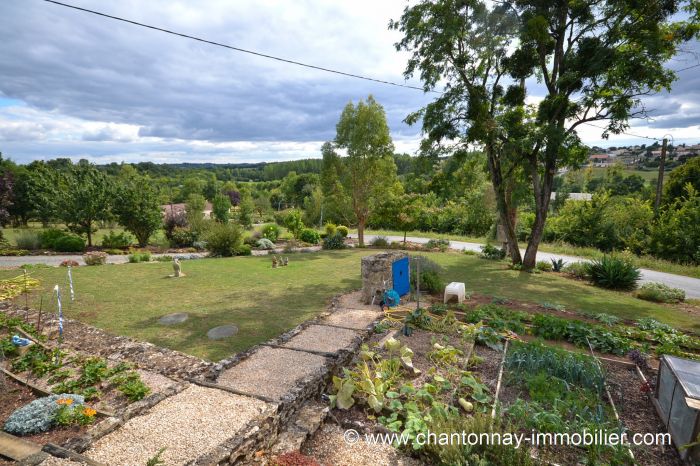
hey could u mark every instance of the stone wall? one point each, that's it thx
(376, 274)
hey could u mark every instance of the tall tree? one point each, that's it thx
(84, 195)
(369, 166)
(137, 205)
(595, 59)
(221, 207)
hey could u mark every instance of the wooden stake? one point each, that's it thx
(660, 179)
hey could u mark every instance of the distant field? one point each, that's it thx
(648, 175)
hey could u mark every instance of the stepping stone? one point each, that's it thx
(172, 319)
(322, 338)
(16, 448)
(190, 424)
(352, 318)
(271, 372)
(224, 331)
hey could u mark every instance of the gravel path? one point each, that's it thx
(188, 425)
(329, 448)
(352, 318)
(690, 285)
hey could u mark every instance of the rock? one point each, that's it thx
(172, 319)
(224, 331)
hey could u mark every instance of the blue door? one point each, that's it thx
(399, 275)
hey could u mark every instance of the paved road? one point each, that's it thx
(12, 261)
(690, 285)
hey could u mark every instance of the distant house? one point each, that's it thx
(574, 196)
(181, 208)
(599, 160)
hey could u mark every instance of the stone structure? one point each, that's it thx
(377, 274)
(177, 268)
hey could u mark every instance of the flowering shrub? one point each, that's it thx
(39, 415)
(69, 263)
(69, 413)
(95, 258)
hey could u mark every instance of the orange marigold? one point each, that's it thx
(65, 401)
(89, 412)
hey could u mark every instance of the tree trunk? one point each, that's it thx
(361, 231)
(543, 190)
(504, 205)
(404, 237)
(89, 235)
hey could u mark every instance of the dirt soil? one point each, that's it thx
(638, 414)
(14, 395)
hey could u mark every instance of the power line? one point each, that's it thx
(238, 49)
(623, 132)
(687, 68)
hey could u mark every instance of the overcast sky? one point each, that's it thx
(81, 86)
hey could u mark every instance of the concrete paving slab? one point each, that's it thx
(322, 338)
(271, 372)
(352, 318)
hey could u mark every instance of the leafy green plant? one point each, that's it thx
(310, 236)
(271, 231)
(264, 243)
(155, 460)
(114, 240)
(607, 319)
(335, 241)
(491, 252)
(577, 270)
(430, 275)
(28, 239)
(613, 273)
(343, 230)
(69, 243)
(137, 257)
(557, 264)
(544, 266)
(379, 242)
(660, 293)
(441, 245)
(224, 239)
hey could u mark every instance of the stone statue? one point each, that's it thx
(285, 261)
(274, 262)
(177, 268)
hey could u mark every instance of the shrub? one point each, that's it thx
(291, 245)
(69, 263)
(491, 252)
(69, 243)
(557, 264)
(271, 231)
(379, 242)
(544, 266)
(613, 273)
(224, 239)
(114, 240)
(137, 257)
(441, 244)
(49, 236)
(95, 258)
(343, 230)
(163, 258)
(330, 229)
(244, 250)
(576, 270)
(182, 237)
(294, 223)
(14, 252)
(28, 239)
(430, 275)
(308, 235)
(660, 293)
(264, 243)
(336, 241)
(37, 416)
(199, 245)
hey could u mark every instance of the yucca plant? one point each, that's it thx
(557, 264)
(613, 273)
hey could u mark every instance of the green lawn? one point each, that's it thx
(264, 302)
